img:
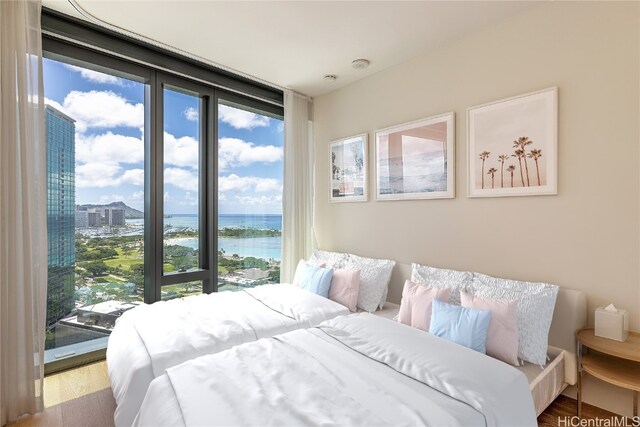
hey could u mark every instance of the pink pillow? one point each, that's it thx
(415, 307)
(502, 337)
(345, 287)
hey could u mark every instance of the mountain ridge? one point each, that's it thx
(129, 212)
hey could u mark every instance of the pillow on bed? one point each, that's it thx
(374, 280)
(461, 325)
(442, 278)
(316, 279)
(502, 337)
(298, 274)
(345, 286)
(416, 303)
(535, 301)
(330, 259)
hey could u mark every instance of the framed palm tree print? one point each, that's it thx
(513, 146)
(416, 160)
(348, 169)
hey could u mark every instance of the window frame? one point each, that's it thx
(74, 41)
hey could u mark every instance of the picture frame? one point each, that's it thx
(348, 169)
(512, 146)
(416, 160)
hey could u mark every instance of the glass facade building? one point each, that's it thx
(61, 203)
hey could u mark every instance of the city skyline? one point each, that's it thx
(109, 115)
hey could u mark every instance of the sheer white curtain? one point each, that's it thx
(297, 198)
(23, 222)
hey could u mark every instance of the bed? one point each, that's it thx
(148, 340)
(547, 382)
(353, 370)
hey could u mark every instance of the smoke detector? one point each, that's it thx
(360, 64)
(330, 78)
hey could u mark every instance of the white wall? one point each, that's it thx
(588, 236)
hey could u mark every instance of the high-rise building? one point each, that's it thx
(94, 219)
(117, 217)
(61, 203)
(106, 218)
(82, 218)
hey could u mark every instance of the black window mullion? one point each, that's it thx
(212, 194)
(204, 257)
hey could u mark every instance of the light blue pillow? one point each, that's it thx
(462, 325)
(316, 279)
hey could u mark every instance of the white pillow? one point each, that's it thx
(442, 278)
(375, 275)
(535, 301)
(330, 259)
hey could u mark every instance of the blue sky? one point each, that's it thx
(109, 114)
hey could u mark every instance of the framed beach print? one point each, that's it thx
(348, 169)
(416, 160)
(513, 146)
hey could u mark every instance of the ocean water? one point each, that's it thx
(259, 247)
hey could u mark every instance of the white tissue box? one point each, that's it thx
(612, 325)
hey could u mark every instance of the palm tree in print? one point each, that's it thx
(483, 156)
(492, 172)
(511, 169)
(520, 154)
(503, 158)
(522, 143)
(535, 154)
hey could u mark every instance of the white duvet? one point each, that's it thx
(150, 339)
(359, 370)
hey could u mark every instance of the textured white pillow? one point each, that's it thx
(374, 280)
(330, 259)
(442, 278)
(536, 302)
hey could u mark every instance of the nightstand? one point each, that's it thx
(615, 362)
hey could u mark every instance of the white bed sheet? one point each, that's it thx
(355, 370)
(151, 338)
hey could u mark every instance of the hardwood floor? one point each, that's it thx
(79, 397)
(563, 409)
(82, 397)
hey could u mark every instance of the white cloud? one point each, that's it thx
(96, 76)
(54, 104)
(181, 178)
(241, 119)
(191, 114)
(181, 151)
(234, 182)
(109, 148)
(138, 196)
(100, 174)
(259, 201)
(233, 152)
(133, 177)
(100, 109)
(190, 199)
(97, 174)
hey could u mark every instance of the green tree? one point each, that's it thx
(96, 268)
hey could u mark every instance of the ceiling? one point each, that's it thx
(293, 44)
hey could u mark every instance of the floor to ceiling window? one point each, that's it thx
(250, 168)
(160, 185)
(95, 205)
